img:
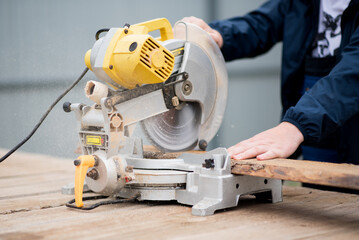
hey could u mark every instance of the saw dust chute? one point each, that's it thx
(175, 86)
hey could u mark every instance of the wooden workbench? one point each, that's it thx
(32, 207)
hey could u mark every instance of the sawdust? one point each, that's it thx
(160, 155)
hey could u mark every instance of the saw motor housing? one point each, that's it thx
(131, 57)
(176, 87)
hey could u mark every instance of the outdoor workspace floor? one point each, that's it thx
(32, 207)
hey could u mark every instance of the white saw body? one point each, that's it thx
(176, 89)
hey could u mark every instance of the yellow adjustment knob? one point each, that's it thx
(82, 164)
(157, 59)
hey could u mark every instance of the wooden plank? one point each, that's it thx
(34, 188)
(330, 174)
(33, 202)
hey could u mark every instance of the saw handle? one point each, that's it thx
(161, 24)
(82, 163)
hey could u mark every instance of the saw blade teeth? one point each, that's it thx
(175, 130)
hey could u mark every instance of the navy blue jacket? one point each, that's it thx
(334, 100)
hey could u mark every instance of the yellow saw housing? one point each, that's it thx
(133, 57)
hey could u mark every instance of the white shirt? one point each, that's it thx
(329, 30)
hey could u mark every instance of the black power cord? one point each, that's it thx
(44, 116)
(108, 202)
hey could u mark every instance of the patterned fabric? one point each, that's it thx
(329, 36)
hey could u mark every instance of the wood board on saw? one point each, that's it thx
(323, 173)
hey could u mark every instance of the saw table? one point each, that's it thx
(32, 207)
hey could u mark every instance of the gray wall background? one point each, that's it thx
(42, 46)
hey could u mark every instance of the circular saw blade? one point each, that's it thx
(174, 130)
(180, 130)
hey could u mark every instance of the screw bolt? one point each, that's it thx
(208, 163)
(185, 75)
(187, 88)
(126, 27)
(93, 173)
(202, 144)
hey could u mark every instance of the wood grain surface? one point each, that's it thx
(32, 207)
(330, 174)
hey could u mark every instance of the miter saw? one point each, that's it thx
(175, 88)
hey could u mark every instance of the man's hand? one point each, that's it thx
(278, 142)
(217, 37)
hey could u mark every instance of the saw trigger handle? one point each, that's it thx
(82, 164)
(161, 24)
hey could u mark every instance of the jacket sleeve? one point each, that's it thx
(254, 33)
(333, 100)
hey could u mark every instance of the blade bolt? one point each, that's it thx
(187, 87)
(93, 173)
